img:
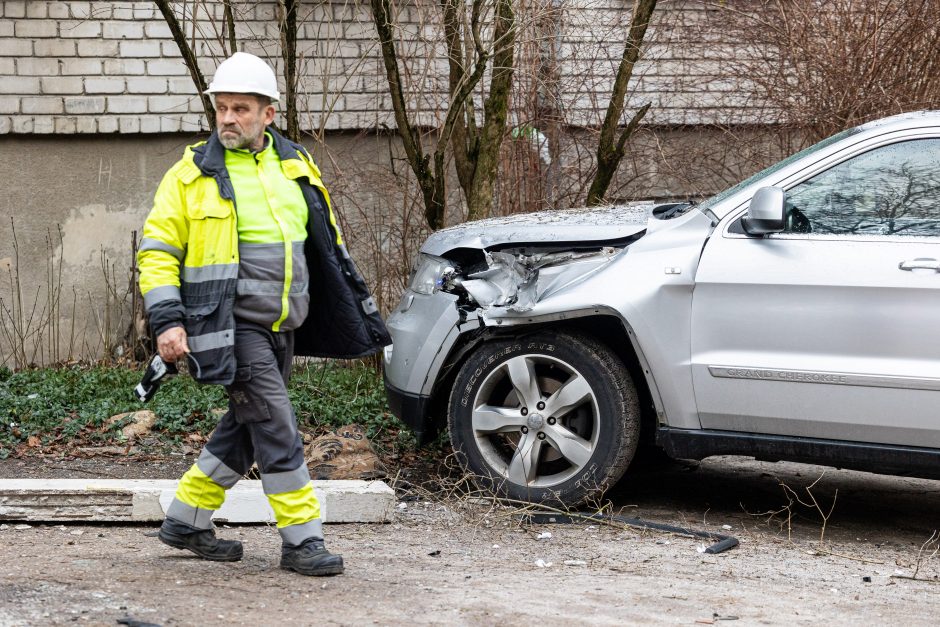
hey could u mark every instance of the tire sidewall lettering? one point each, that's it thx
(588, 478)
(485, 368)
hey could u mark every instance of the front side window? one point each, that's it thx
(892, 190)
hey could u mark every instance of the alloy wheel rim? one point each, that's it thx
(535, 421)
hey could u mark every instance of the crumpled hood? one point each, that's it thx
(592, 224)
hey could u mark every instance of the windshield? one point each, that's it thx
(717, 198)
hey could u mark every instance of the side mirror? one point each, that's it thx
(767, 213)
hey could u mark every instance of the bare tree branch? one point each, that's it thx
(287, 25)
(495, 108)
(610, 149)
(229, 17)
(457, 76)
(816, 68)
(189, 58)
(411, 138)
(475, 152)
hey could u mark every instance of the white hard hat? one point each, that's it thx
(244, 73)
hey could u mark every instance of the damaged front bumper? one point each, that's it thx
(424, 328)
(443, 302)
(414, 411)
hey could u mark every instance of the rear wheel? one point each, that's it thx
(545, 418)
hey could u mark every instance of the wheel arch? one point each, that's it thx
(607, 328)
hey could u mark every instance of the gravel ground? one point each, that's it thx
(451, 562)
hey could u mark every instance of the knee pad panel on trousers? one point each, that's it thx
(278, 445)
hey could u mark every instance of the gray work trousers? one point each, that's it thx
(260, 427)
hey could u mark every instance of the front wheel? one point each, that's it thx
(545, 418)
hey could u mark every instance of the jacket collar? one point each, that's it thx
(285, 148)
(210, 159)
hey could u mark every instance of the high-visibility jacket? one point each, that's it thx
(272, 227)
(188, 260)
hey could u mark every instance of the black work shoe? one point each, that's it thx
(311, 558)
(204, 544)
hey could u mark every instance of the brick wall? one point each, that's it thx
(107, 67)
(91, 67)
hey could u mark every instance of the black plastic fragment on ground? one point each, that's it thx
(722, 542)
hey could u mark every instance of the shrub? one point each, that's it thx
(59, 404)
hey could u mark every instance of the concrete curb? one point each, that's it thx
(144, 500)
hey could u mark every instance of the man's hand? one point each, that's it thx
(171, 344)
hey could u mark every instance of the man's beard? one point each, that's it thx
(239, 141)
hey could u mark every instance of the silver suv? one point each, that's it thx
(795, 316)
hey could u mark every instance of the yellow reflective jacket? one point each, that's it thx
(188, 262)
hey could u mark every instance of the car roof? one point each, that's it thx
(903, 120)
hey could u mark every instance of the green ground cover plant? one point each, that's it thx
(44, 406)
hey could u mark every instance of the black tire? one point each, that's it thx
(569, 453)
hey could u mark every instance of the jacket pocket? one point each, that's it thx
(200, 317)
(199, 311)
(203, 210)
(213, 235)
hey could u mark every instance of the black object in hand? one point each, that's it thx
(157, 371)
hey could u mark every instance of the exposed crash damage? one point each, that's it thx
(472, 279)
(497, 332)
(473, 283)
(518, 281)
(493, 268)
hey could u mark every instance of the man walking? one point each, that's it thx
(242, 266)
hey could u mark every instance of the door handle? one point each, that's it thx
(921, 263)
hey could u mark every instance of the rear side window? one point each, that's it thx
(892, 190)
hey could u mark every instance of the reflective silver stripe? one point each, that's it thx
(192, 516)
(209, 341)
(160, 294)
(148, 243)
(288, 481)
(218, 272)
(257, 287)
(295, 535)
(213, 467)
(261, 251)
(249, 248)
(260, 288)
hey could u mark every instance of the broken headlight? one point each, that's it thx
(430, 274)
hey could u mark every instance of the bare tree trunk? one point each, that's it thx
(496, 107)
(431, 187)
(229, 17)
(548, 116)
(287, 23)
(476, 151)
(457, 60)
(610, 149)
(189, 58)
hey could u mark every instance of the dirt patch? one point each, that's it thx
(452, 563)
